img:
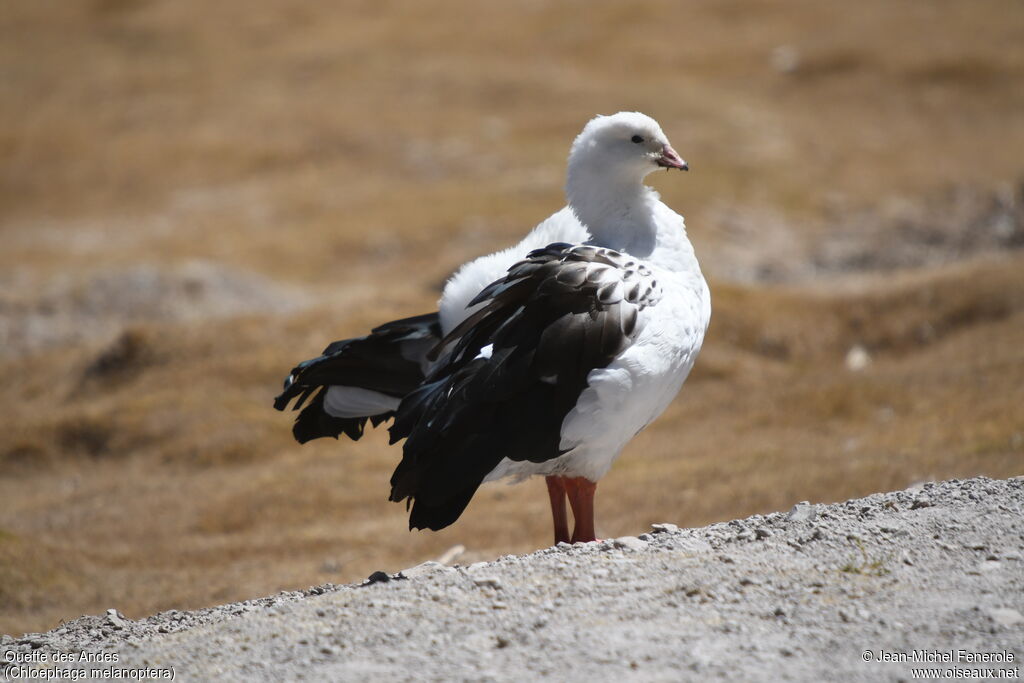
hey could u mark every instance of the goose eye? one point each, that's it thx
(637, 139)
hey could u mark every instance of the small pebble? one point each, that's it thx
(802, 512)
(857, 358)
(1005, 616)
(378, 577)
(115, 619)
(630, 543)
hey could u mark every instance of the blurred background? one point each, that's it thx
(196, 195)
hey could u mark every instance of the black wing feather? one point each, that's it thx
(388, 360)
(547, 329)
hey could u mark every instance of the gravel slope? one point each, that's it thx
(799, 595)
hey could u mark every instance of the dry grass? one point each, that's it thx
(321, 147)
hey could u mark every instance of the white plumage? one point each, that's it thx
(625, 214)
(636, 308)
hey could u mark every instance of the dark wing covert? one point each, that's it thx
(389, 360)
(560, 313)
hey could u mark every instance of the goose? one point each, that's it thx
(543, 359)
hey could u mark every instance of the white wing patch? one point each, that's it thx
(342, 401)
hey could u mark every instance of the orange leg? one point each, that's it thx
(556, 491)
(581, 499)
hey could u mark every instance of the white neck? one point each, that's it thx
(622, 213)
(617, 210)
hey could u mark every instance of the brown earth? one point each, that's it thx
(193, 196)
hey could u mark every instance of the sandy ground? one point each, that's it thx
(821, 592)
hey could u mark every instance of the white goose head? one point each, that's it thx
(628, 143)
(607, 164)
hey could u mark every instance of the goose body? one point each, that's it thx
(546, 358)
